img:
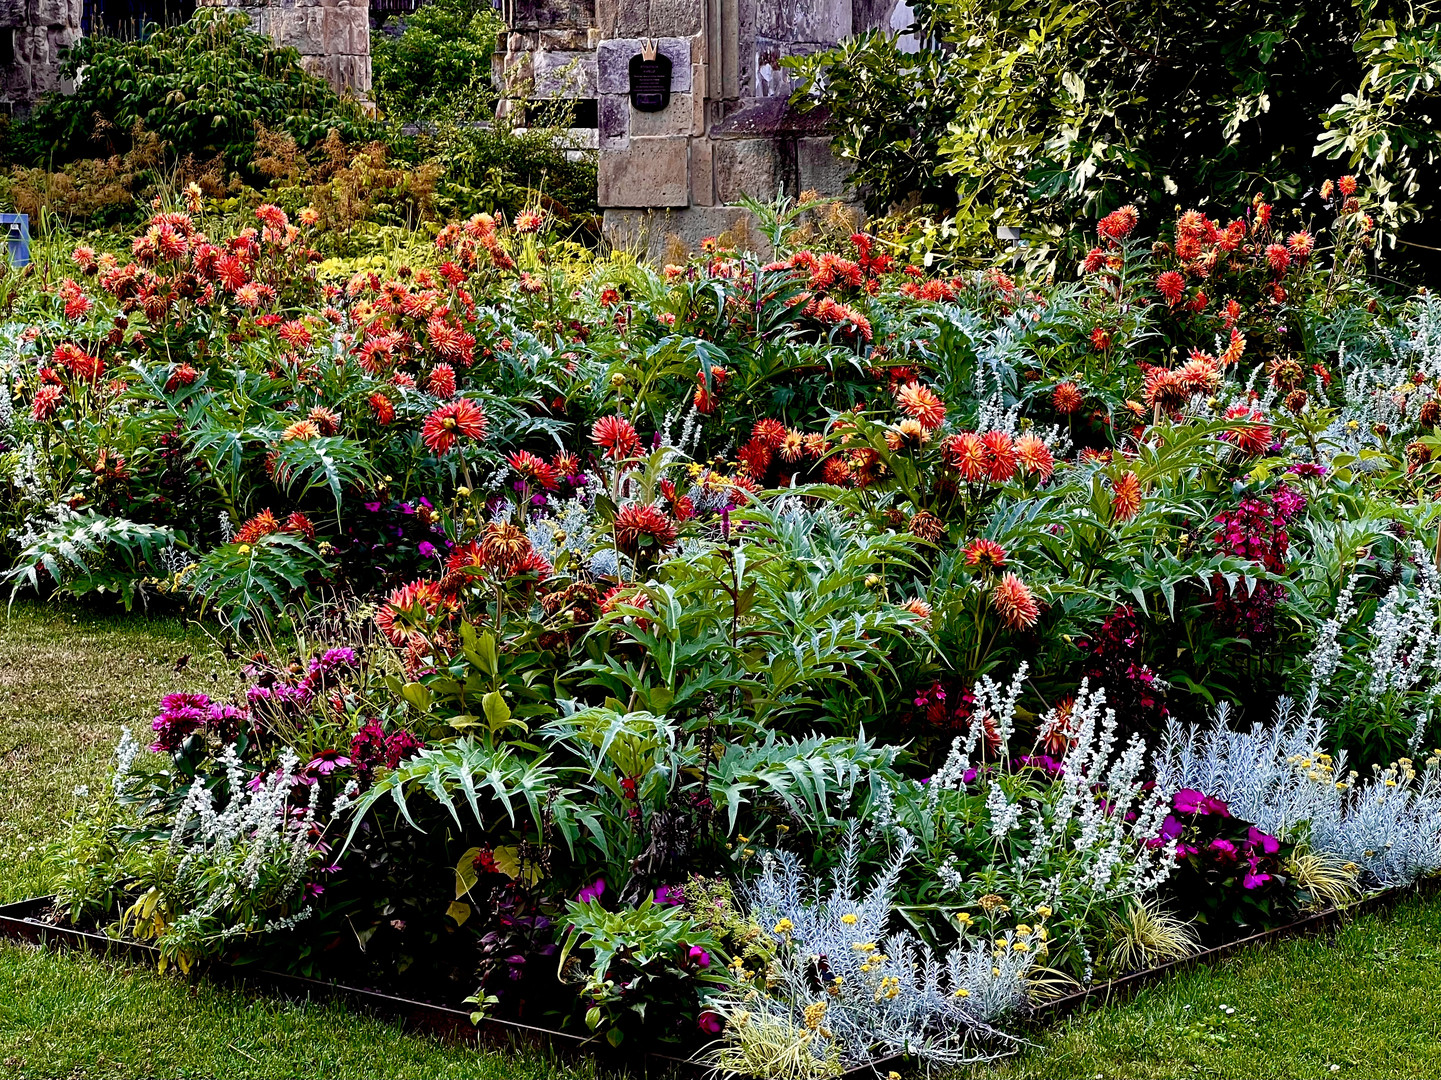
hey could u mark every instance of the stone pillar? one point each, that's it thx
(33, 34)
(332, 36)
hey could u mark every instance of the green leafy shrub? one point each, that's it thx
(1042, 115)
(202, 87)
(430, 57)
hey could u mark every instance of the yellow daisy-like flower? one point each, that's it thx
(962, 993)
(849, 919)
(785, 926)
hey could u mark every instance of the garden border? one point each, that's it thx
(19, 921)
(1124, 987)
(23, 920)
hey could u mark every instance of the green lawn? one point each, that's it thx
(1364, 1003)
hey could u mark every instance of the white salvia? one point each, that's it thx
(1325, 655)
(125, 755)
(227, 529)
(1094, 835)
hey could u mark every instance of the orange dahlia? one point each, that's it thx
(966, 453)
(1000, 456)
(769, 432)
(536, 471)
(1035, 456)
(1125, 497)
(920, 403)
(615, 436)
(327, 420)
(462, 417)
(441, 381)
(1171, 285)
(1015, 604)
(406, 610)
(262, 524)
(639, 526)
(985, 555)
(381, 406)
(1067, 398)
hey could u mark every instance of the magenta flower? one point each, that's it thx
(699, 956)
(593, 891)
(1269, 845)
(1222, 847)
(710, 1022)
(669, 896)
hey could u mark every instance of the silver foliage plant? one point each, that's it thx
(242, 866)
(1278, 777)
(882, 992)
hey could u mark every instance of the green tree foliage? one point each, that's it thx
(430, 57)
(1049, 114)
(202, 86)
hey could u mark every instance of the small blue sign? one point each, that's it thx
(17, 237)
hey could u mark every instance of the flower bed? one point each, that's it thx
(787, 664)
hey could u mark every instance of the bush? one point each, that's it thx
(424, 61)
(202, 87)
(1044, 115)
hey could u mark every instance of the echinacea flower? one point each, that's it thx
(462, 417)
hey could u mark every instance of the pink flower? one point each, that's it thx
(699, 956)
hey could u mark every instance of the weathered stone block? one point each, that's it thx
(613, 63)
(613, 121)
(664, 236)
(804, 20)
(565, 74)
(746, 167)
(674, 18)
(576, 40)
(677, 118)
(818, 169)
(702, 173)
(633, 18)
(650, 172)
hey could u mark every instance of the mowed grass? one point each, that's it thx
(1364, 1002)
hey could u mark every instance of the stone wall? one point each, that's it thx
(728, 130)
(33, 33)
(332, 36)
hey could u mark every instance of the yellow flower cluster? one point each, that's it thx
(889, 988)
(815, 1013)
